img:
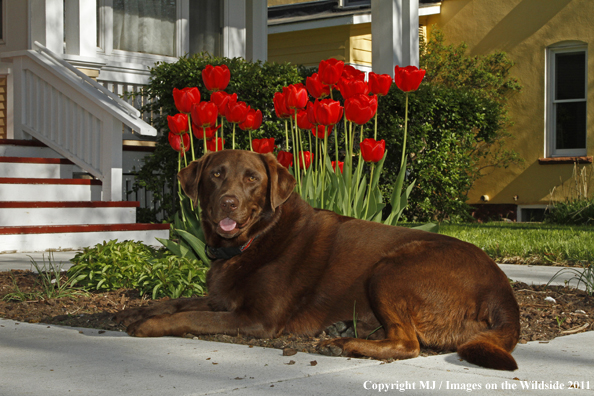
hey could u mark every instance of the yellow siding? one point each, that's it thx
(3, 132)
(309, 47)
(523, 29)
(360, 45)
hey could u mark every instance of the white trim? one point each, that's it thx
(319, 23)
(431, 10)
(549, 116)
(519, 209)
(3, 38)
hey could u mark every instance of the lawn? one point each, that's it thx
(528, 243)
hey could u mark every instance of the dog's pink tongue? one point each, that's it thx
(227, 224)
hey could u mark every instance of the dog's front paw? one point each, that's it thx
(129, 316)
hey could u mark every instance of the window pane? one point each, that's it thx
(144, 26)
(570, 125)
(205, 26)
(570, 75)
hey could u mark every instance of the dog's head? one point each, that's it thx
(237, 190)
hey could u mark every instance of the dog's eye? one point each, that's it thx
(252, 179)
(216, 174)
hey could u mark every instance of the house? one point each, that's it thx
(68, 141)
(548, 41)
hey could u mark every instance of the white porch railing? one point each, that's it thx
(73, 114)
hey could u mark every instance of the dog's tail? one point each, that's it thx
(491, 347)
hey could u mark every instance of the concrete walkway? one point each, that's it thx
(37, 359)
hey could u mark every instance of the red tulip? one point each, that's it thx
(350, 72)
(303, 120)
(215, 144)
(328, 111)
(296, 96)
(280, 106)
(176, 142)
(263, 146)
(351, 87)
(321, 131)
(371, 150)
(340, 165)
(330, 71)
(253, 120)
(307, 159)
(285, 158)
(185, 98)
(216, 78)
(204, 114)
(360, 108)
(237, 112)
(311, 112)
(222, 100)
(379, 84)
(178, 123)
(199, 132)
(408, 78)
(316, 88)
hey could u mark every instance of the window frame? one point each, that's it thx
(550, 113)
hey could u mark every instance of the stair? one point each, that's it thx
(44, 207)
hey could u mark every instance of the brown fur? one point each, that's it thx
(309, 268)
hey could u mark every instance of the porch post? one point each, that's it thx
(257, 30)
(234, 37)
(394, 34)
(81, 28)
(46, 24)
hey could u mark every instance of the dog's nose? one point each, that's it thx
(229, 203)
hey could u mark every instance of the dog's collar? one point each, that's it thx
(225, 253)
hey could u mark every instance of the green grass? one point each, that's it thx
(528, 243)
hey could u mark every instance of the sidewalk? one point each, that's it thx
(38, 359)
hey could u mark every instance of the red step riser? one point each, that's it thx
(26, 180)
(69, 204)
(81, 228)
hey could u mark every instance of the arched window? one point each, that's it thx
(567, 77)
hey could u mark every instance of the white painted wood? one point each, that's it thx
(66, 216)
(66, 241)
(13, 150)
(396, 22)
(41, 171)
(256, 30)
(234, 24)
(46, 24)
(49, 192)
(81, 27)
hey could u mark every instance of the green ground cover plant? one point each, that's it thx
(157, 273)
(573, 203)
(528, 243)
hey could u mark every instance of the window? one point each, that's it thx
(566, 100)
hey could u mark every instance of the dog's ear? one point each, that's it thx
(280, 182)
(189, 177)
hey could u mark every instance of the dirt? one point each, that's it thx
(570, 311)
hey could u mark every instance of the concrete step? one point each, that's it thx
(48, 189)
(74, 237)
(36, 167)
(66, 213)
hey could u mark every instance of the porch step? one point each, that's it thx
(37, 167)
(74, 237)
(26, 148)
(42, 213)
(49, 189)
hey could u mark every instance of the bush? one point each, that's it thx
(457, 128)
(573, 203)
(254, 83)
(133, 265)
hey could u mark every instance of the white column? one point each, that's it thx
(394, 34)
(111, 158)
(81, 27)
(257, 30)
(234, 37)
(46, 24)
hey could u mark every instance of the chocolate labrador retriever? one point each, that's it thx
(281, 266)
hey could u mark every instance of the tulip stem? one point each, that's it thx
(204, 139)
(375, 127)
(405, 132)
(222, 129)
(296, 156)
(369, 192)
(191, 138)
(336, 170)
(234, 136)
(324, 165)
(287, 135)
(250, 133)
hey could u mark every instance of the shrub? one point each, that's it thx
(133, 265)
(573, 203)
